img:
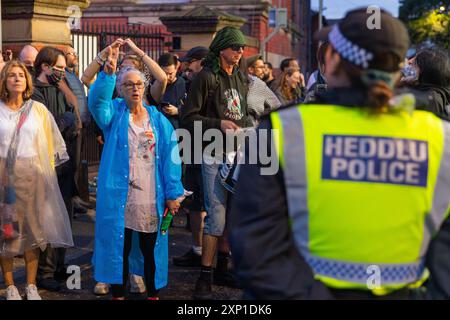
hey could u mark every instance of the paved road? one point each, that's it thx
(181, 280)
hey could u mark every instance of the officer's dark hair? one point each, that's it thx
(47, 55)
(285, 64)
(167, 59)
(434, 67)
(321, 52)
(378, 93)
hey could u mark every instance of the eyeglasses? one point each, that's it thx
(237, 47)
(72, 54)
(130, 85)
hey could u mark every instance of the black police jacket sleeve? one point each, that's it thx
(266, 259)
(438, 263)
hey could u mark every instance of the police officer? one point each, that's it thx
(359, 208)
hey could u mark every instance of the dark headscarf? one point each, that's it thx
(223, 39)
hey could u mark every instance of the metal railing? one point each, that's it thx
(95, 35)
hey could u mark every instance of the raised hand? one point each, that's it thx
(104, 54)
(110, 66)
(134, 47)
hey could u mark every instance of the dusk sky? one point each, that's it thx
(336, 9)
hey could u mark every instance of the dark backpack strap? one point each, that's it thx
(244, 81)
(213, 85)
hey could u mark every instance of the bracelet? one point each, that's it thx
(100, 58)
(142, 56)
(99, 61)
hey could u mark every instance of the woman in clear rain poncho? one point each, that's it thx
(32, 211)
(139, 176)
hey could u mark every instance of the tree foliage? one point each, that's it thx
(426, 21)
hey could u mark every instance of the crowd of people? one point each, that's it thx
(137, 104)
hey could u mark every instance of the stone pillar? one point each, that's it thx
(39, 23)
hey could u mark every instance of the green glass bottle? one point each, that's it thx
(167, 219)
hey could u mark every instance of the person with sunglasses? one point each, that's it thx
(217, 100)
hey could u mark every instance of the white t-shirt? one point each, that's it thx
(140, 212)
(26, 147)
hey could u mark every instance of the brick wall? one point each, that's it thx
(281, 45)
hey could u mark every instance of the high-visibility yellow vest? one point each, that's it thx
(365, 191)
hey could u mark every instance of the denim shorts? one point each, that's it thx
(215, 198)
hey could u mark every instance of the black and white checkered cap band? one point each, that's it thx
(348, 50)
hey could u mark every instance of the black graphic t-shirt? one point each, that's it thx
(212, 98)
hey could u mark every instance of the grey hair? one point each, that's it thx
(121, 75)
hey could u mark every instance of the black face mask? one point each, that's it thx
(55, 77)
(31, 70)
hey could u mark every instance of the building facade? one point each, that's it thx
(252, 16)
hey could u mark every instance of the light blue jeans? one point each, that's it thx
(215, 198)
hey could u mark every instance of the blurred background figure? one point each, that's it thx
(317, 82)
(427, 76)
(268, 74)
(260, 99)
(175, 94)
(289, 63)
(28, 55)
(291, 88)
(192, 179)
(193, 64)
(77, 87)
(255, 66)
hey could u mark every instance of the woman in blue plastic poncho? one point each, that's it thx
(139, 175)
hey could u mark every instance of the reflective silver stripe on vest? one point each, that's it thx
(295, 176)
(389, 274)
(441, 196)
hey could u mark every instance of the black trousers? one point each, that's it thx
(147, 245)
(52, 260)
